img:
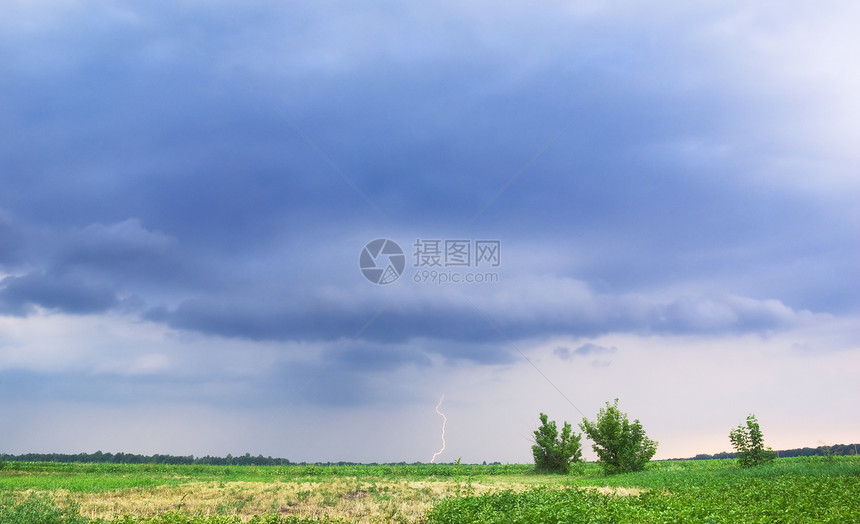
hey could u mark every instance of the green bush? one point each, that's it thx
(554, 453)
(749, 444)
(620, 446)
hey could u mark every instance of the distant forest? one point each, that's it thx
(132, 458)
(260, 460)
(836, 449)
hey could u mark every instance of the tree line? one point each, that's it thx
(229, 460)
(133, 458)
(820, 451)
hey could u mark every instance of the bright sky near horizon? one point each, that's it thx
(661, 204)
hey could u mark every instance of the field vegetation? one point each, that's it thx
(802, 489)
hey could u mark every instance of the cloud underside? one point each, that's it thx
(481, 319)
(515, 311)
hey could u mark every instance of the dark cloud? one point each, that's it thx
(457, 334)
(485, 330)
(589, 349)
(197, 166)
(362, 356)
(18, 295)
(124, 254)
(116, 244)
(11, 241)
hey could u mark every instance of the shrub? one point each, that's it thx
(620, 445)
(554, 453)
(749, 444)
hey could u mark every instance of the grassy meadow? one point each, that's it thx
(803, 489)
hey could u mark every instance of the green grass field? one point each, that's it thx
(806, 489)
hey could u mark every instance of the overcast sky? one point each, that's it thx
(186, 189)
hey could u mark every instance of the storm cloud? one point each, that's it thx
(186, 190)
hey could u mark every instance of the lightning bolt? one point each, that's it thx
(444, 421)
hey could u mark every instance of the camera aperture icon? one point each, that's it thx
(382, 261)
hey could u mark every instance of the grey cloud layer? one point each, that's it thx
(163, 181)
(520, 310)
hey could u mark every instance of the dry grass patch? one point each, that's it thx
(361, 500)
(616, 490)
(355, 499)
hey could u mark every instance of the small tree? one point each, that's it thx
(554, 453)
(620, 445)
(749, 444)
